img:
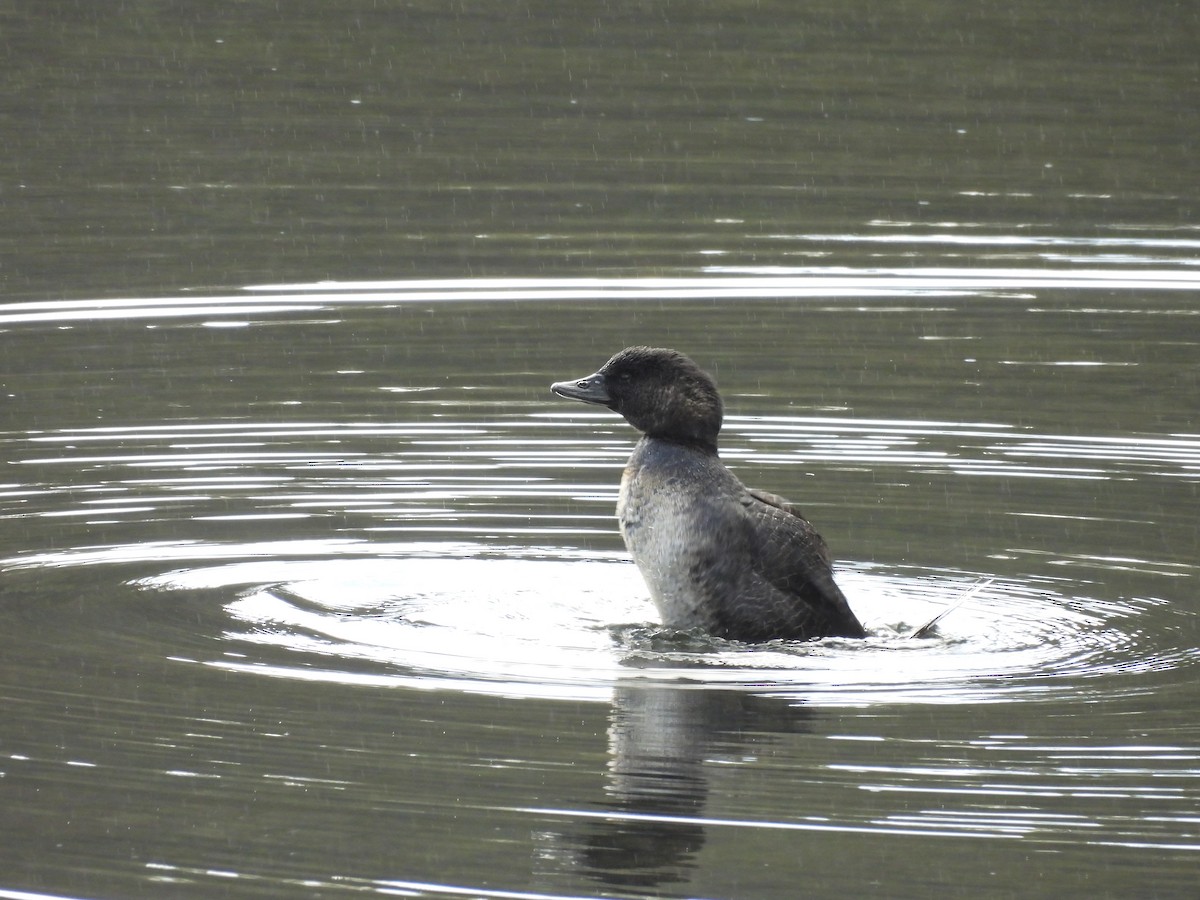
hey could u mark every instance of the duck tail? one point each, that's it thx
(974, 589)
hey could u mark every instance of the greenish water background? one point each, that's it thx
(313, 589)
(174, 145)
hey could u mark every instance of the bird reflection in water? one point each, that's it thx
(660, 739)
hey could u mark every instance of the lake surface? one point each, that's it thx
(309, 587)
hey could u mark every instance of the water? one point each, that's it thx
(311, 588)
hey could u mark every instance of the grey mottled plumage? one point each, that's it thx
(716, 555)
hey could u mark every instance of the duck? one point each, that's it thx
(717, 557)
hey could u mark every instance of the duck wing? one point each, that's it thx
(779, 503)
(795, 561)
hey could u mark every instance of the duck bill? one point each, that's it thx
(590, 390)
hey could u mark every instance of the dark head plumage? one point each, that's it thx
(660, 392)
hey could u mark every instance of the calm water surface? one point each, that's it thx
(309, 587)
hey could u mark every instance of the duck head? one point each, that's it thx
(660, 392)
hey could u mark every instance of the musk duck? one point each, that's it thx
(718, 556)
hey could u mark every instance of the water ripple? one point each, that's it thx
(538, 622)
(724, 283)
(455, 553)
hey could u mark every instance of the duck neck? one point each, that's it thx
(697, 444)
